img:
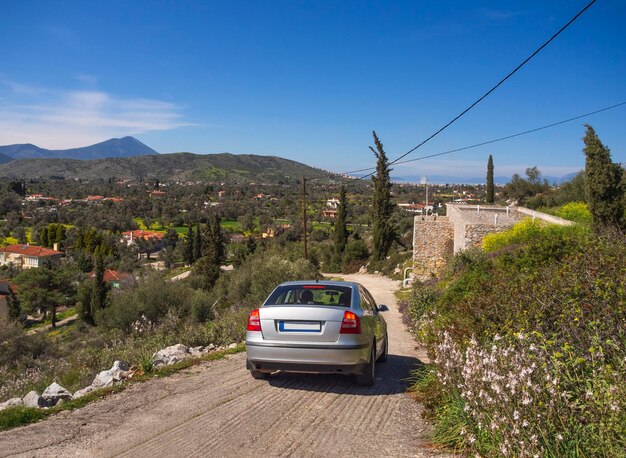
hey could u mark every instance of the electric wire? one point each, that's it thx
(476, 145)
(486, 94)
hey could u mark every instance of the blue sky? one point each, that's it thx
(309, 81)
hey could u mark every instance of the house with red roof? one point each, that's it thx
(131, 236)
(27, 256)
(114, 278)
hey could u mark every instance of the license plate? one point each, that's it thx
(299, 326)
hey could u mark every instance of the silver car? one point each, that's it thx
(320, 327)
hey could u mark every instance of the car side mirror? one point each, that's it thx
(383, 308)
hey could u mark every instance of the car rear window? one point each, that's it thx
(314, 294)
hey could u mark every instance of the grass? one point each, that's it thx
(14, 417)
(60, 316)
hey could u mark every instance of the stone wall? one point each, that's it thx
(432, 245)
(472, 223)
(435, 239)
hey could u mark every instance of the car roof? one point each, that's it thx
(349, 284)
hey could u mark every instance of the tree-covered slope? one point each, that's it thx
(176, 166)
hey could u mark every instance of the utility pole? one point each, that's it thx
(306, 256)
(424, 181)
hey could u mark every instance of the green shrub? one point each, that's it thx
(18, 416)
(575, 211)
(529, 342)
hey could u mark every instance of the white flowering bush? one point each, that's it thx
(523, 399)
(528, 361)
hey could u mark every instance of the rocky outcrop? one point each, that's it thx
(32, 399)
(170, 355)
(104, 379)
(13, 402)
(54, 393)
(80, 393)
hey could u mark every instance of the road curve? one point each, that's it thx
(218, 409)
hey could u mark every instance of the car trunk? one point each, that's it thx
(301, 323)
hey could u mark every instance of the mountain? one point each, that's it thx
(240, 168)
(115, 147)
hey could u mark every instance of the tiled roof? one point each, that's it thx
(112, 275)
(141, 234)
(29, 250)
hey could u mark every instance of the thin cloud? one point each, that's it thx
(63, 119)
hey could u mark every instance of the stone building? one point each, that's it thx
(437, 238)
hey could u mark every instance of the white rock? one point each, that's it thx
(54, 393)
(170, 355)
(108, 378)
(13, 402)
(363, 270)
(209, 348)
(196, 351)
(232, 345)
(83, 392)
(32, 399)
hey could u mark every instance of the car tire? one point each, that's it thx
(367, 379)
(383, 356)
(259, 375)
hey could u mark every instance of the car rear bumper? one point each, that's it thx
(343, 359)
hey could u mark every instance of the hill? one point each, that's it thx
(242, 168)
(115, 147)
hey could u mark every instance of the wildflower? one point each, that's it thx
(515, 415)
(525, 424)
(471, 439)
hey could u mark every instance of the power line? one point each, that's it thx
(486, 94)
(476, 145)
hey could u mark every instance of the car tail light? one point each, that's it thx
(350, 324)
(254, 321)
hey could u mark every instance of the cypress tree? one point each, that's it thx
(100, 290)
(59, 235)
(603, 182)
(341, 229)
(490, 185)
(382, 208)
(43, 239)
(197, 243)
(189, 246)
(212, 240)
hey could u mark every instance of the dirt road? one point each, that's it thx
(217, 409)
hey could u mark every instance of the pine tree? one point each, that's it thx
(341, 229)
(189, 246)
(603, 182)
(197, 244)
(382, 208)
(490, 184)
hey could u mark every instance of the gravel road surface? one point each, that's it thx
(218, 409)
